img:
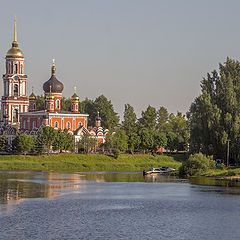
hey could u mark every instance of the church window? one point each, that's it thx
(56, 124)
(9, 67)
(15, 68)
(58, 103)
(68, 126)
(15, 115)
(33, 124)
(15, 90)
(21, 68)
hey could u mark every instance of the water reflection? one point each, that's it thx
(17, 186)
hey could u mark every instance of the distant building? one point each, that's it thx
(19, 112)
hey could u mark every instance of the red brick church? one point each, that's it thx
(18, 112)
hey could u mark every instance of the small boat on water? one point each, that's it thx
(159, 170)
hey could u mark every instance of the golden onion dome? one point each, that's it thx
(74, 97)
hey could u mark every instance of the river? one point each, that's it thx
(108, 205)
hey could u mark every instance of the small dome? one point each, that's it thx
(32, 97)
(74, 97)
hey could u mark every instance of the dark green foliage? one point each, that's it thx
(215, 115)
(116, 153)
(197, 164)
(102, 105)
(162, 119)
(25, 143)
(117, 140)
(3, 143)
(148, 119)
(109, 117)
(87, 143)
(129, 120)
(40, 103)
(66, 104)
(87, 106)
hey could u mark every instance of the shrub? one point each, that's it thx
(197, 164)
(116, 153)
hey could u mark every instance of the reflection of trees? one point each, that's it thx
(12, 189)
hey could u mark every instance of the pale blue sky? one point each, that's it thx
(139, 52)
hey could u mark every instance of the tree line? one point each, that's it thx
(47, 139)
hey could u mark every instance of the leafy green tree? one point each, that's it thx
(40, 103)
(66, 104)
(87, 106)
(179, 125)
(172, 142)
(48, 134)
(25, 143)
(87, 143)
(148, 119)
(147, 139)
(160, 139)
(3, 143)
(109, 117)
(129, 120)
(162, 119)
(134, 142)
(215, 115)
(120, 140)
(68, 141)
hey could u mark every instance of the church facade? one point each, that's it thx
(19, 113)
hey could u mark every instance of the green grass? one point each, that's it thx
(223, 173)
(89, 162)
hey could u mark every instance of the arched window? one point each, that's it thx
(15, 90)
(68, 126)
(15, 68)
(56, 124)
(33, 124)
(9, 67)
(57, 103)
(79, 124)
(21, 68)
(15, 115)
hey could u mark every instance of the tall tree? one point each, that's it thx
(148, 119)
(87, 106)
(129, 120)
(215, 115)
(109, 117)
(162, 119)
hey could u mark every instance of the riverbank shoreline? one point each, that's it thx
(88, 162)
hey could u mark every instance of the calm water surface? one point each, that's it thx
(36, 205)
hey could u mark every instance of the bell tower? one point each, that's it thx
(14, 99)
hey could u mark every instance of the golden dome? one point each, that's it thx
(74, 97)
(15, 52)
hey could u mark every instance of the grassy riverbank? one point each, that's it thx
(89, 162)
(223, 172)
